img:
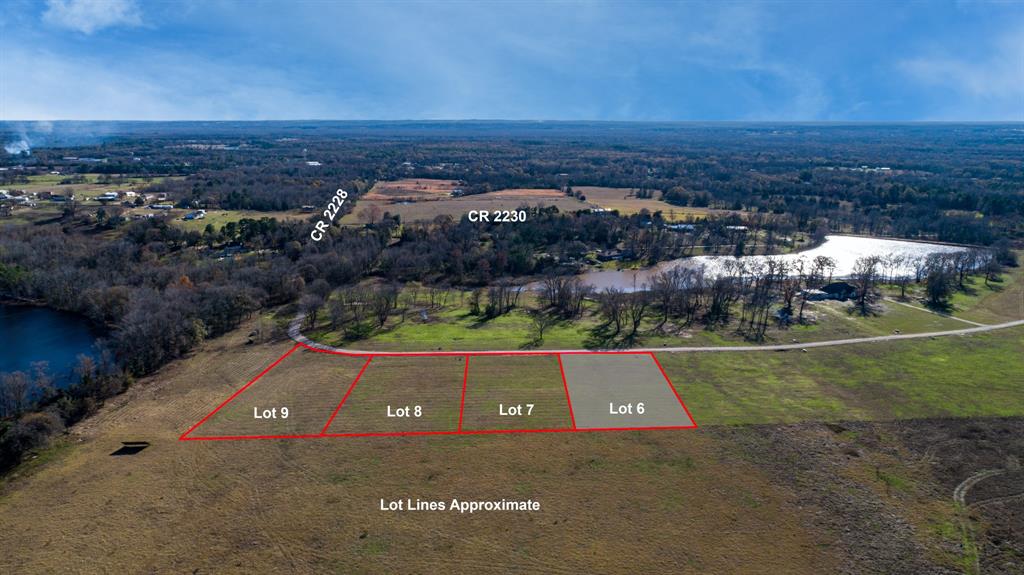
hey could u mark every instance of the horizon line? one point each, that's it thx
(517, 121)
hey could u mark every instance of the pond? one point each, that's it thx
(29, 334)
(843, 249)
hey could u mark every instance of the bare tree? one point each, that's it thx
(865, 276)
(310, 305)
(612, 303)
(14, 393)
(665, 289)
(540, 322)
(370, 214)
(821, 266)
(636, 309)
(385, 300)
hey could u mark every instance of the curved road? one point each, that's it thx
(295, 332)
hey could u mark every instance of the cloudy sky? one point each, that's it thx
(225, 60)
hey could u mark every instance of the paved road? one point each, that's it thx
(295, 332)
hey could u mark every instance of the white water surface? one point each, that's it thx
(844, 250)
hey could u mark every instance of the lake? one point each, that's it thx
(29, 334)
(843, 249)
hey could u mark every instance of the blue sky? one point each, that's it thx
(224, 60)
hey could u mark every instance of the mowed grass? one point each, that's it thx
(990, 302)
(532, 382)
(993, 302)
(837, 320)
(90, 187)
(955, 376)
(453, 328)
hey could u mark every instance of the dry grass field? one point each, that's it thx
(610, 502)
(413, 204)
(411, 190)
(526, 194)
(625, 201)
(308, 384)
(722, 499)
(390, 384)
(513, 381)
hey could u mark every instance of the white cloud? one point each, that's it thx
(88, 16)
(42, 85)
(994, 82)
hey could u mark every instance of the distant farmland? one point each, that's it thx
(412, 189)
(424, 200)
(624, 200)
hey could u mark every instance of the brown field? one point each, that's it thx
(309, 384)
(411, 189)
(622, 502)
(624, 200)
(728, 499)
(526, 194)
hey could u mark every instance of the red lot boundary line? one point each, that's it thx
(239, 392)
(669, 381)
(419, 433)
(459, 431)
(470, 353)
(462, 404)
(565, 384)
(345, 398)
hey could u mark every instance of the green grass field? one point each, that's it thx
(961, 376)
(452, 327)
(983, 302)
(218, 218)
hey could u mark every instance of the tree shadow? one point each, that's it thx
(943, 307)
(969, 289)
(604, 337)
(872, 309)
(601, 337)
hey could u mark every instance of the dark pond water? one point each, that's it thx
(29, 334)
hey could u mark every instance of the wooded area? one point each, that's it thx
(158, 290)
